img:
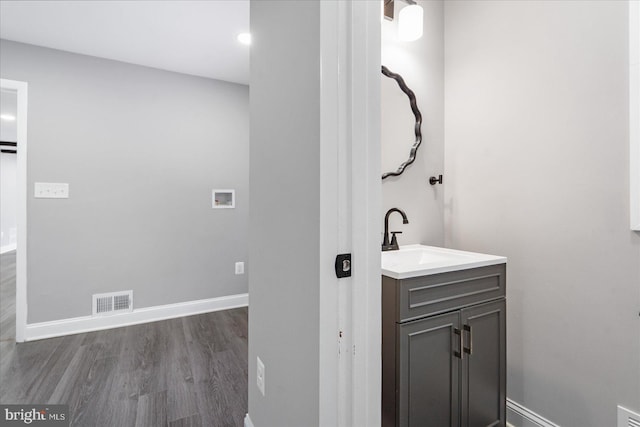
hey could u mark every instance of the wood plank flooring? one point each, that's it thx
(190, 371)
(8, 296)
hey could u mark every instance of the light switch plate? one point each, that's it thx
(51, 190)
(239, 267)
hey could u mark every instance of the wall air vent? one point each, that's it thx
(112, 303)
(627, 418)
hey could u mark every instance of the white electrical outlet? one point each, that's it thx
(260, 376)
(51, 190)
(239, 267)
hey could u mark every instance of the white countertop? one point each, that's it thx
(419, 260)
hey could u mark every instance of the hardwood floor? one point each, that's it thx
(8, 296)
(190, 371)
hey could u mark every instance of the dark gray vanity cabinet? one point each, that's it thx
(444, 349)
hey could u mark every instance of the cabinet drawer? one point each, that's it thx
(438, 293)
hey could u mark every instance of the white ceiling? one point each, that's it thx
(191, 37)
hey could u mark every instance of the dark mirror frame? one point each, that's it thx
(417, 128)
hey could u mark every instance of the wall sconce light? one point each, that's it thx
(409, 19)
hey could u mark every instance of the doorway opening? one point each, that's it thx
(8, 201)
(13, 186)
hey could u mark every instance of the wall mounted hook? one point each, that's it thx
(433, 180)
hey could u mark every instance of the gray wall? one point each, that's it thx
(284, 227)
(141, 149)
(537, 160)
(421, 64)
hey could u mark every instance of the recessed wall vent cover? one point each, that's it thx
(112, 303)
(626, 418)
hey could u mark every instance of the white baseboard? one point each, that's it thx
(76, 325)
(8, 248)
(247, 421)
(528, 414)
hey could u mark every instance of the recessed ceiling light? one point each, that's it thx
(244, 38)
(8, 117)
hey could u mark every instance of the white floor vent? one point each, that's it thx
(626, 418)
(112, 303)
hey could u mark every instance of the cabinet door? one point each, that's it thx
(429, 372)
(484, 365)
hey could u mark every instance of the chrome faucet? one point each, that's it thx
(393, 246)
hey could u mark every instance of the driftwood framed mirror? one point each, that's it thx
(417, 127)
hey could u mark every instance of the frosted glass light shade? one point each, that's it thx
(410, 23)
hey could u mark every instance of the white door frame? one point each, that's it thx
(366, 206)
(634, 112)
(350, 308)
(21, 215)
